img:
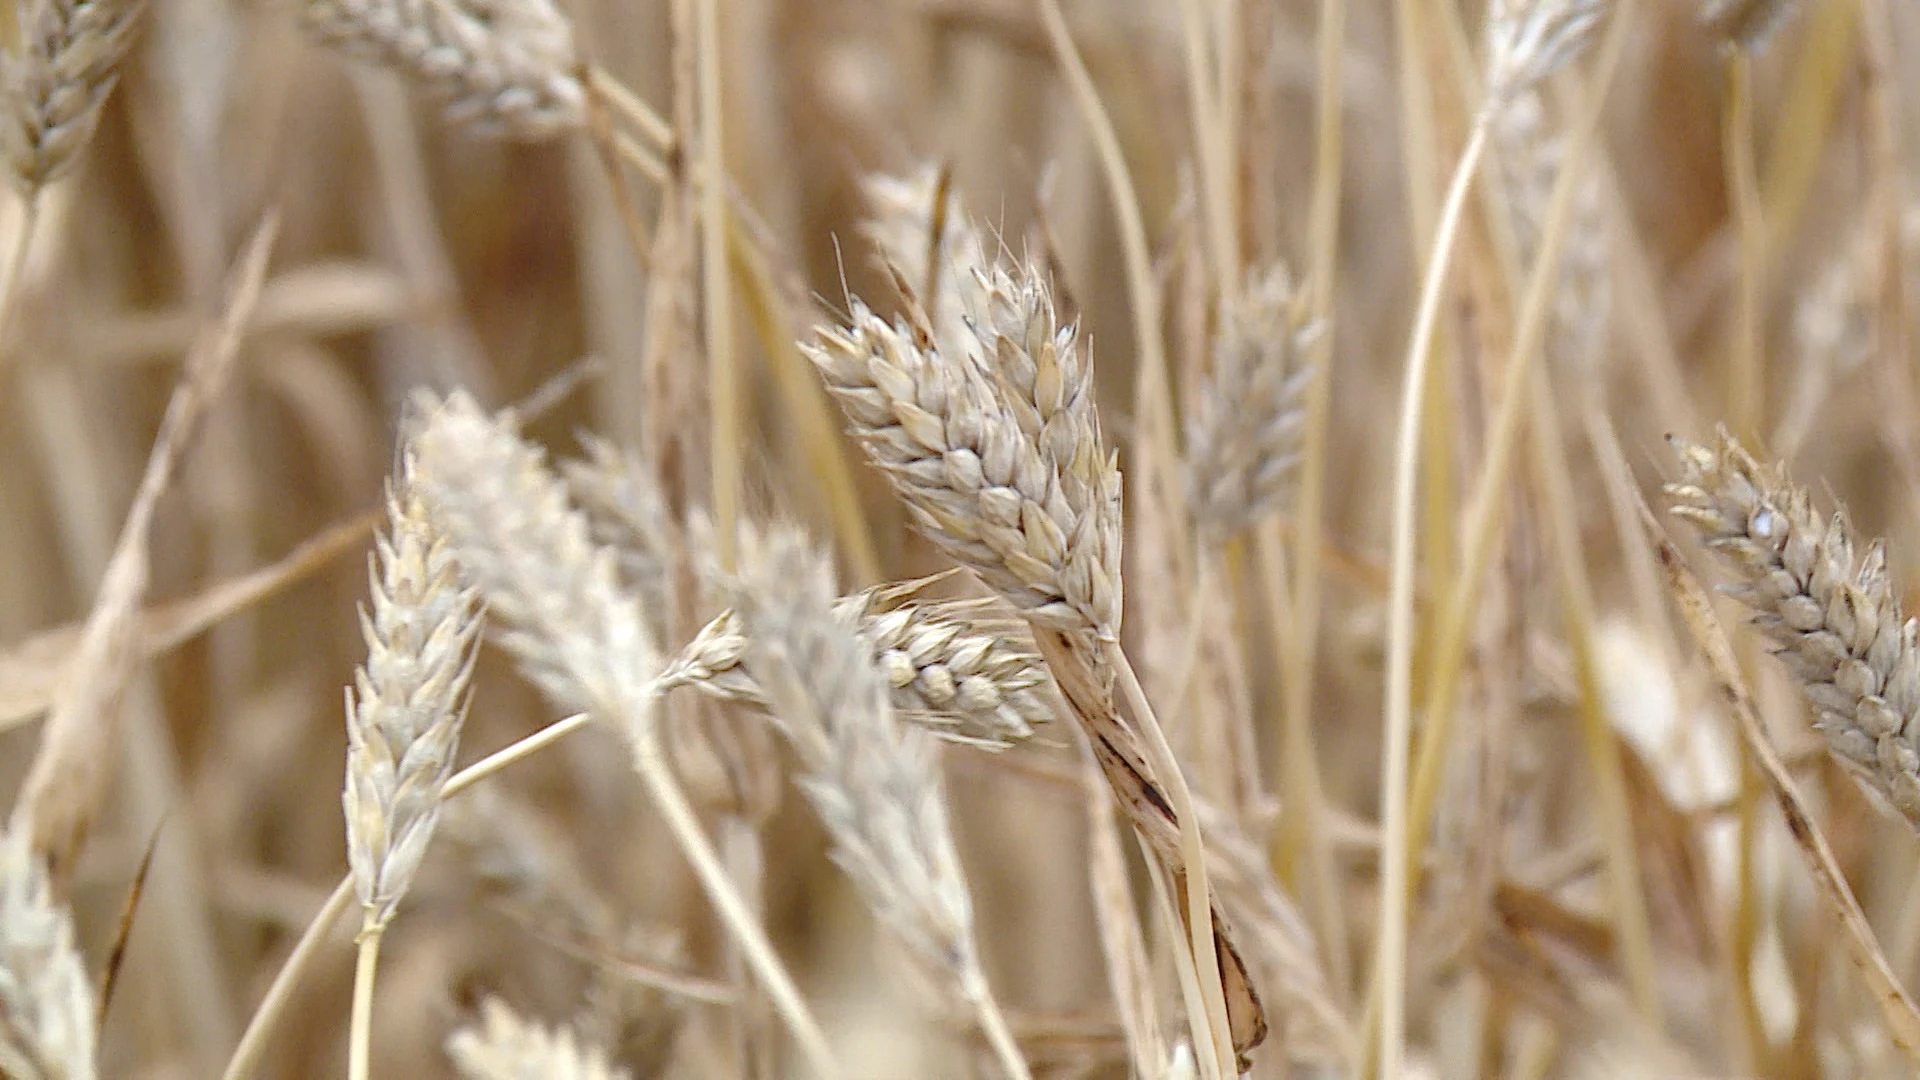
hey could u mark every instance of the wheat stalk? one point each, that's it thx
(46, 1000)
(1835, 620)
(508, 67)
(963, 677)
(875, 785)
(507, 1046)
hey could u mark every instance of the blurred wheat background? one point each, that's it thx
(1596, 881)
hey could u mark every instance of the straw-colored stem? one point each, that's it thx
(650, 763)
(1490, 491)
(993, 1024)
(1144, 297)
(1634, 928)
(1305, 837)
(649, 123)
(723, 378)
(17, 261)
(254, 1039)
(1203, 101)
(360, 1031)
(1303, 848)
(1211, 1029)
(1746, 404)
(1391, 963)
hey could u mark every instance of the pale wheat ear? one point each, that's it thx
(875, 786)
(1833, 616)
(55, 84)
(46, 999)
(951, 667)
(507, 67)
(506, 1046)
(1243, 430)
(407, 703)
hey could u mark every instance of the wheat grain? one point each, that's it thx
(506, 1046)
(963, 677)
(507, 67)
(407, 703)
(46, 1000)
(1835, 621)
(58, 81)
(1243, 430)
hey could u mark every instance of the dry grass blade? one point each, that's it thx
(962, 676)
(56, 83)
(33, 670)
(506, 1046)
(46, 1001)
(407, 703)
(1243, 430)
(1896, 1008)
(69, 774)
(507, 67)
(1835, 622)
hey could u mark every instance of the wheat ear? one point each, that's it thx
(507, 1046)
(963, 676)
(1243, 431)
(1834, 619)
(998, 455)
(46, 1000)
(57, 82)
(507, 67)
(404, 713)
(875, 786)
(578, 633)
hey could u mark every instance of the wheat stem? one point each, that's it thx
(650, 762)
(1142, 294)
(723, 377)
(360, 1034)
(266, 1015)
(632, 106)
(1399, 717)
(1211, 1028)
(17, 261)
(993, 1024)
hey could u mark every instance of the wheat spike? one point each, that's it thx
(1244, 428)
(1834, 620)
(1528, 40)
(407, 703)
(578, 633)
(902, 212)
(506, 67)
(964, 678)
(58, 81)
(46, 999)
(997, 453)
(875, 785)
(506, 1046)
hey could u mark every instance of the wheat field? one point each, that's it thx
(933, 539)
